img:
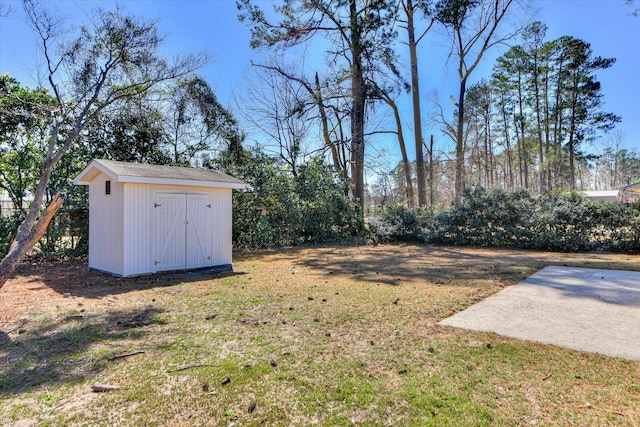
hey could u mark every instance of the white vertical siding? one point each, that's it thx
(221, 229)
(106, 235)
(123, 237)
(138, 229)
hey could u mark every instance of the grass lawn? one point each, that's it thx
(305, 336)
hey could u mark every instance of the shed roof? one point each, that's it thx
(156, 174)
(601, 193)
(633, 189)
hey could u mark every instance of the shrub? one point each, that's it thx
(67, 234)
(491, 217)
(327, 212)
(8, 229)
(282, 209)
(397, 223)
(565, 222)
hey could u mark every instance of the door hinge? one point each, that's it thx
(156, 262)
(209, 258)
(155, 205)
(209, 205)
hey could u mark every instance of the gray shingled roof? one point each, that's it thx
(166, 172)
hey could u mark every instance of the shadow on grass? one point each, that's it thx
(59, 351)
(395, 264)
(461, 266)
(74, 278)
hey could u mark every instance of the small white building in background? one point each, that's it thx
(147, 218)
(602, 195)
(630, 193)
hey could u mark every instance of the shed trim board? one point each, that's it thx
(164, 181)
(633, 189)
(148, 227)
(157, 174)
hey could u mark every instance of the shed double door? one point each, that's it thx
(183, 231)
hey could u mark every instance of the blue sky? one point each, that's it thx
(212, 26)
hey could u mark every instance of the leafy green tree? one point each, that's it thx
(551, 92)
(478, 130)
(133, 133)
(510, 76)
(538, 58)
(112, 61)
(282, 209)
(583, 97)
(194, 121)
(23, 120)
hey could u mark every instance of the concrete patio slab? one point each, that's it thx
(578, 308)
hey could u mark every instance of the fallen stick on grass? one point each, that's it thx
(104, 387)
(120, 356)
(203, 365)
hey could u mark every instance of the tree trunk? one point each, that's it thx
(403, 150)
(547, 128)
(432, 195)
(335, 155)
(572, 132)
(519, 147)
(522, 142)
(507, 140)
(536, 89)
(460, 145)
(557, 126)
(26, 241)
(487, 157)
(358, 99)
(415, 94)
(35, 223)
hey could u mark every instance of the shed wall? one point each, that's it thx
(106, 237)
(139, 245)
(138, 229)
(221, 237)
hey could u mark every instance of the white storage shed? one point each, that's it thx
(148, 218)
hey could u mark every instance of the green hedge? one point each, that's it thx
(564, 222)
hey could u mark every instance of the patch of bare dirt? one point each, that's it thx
(70, 286)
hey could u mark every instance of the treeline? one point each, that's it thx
(537, 123)
(531, 123)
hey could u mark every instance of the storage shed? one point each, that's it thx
(630, 193)
(148, 218)
(610, 196)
